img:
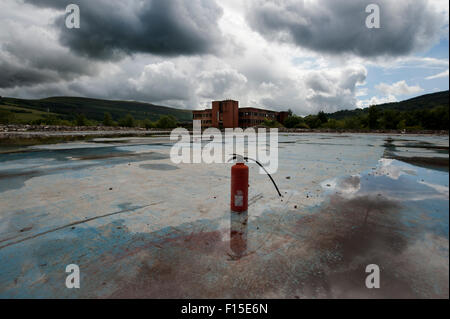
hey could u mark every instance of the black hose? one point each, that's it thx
(247, 159)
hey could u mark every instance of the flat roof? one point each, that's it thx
(255, 108)
(242, 108)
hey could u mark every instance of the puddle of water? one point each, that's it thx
(422, 193)
(419, 152)
(17, 168)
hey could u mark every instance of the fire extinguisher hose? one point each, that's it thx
(251, 159)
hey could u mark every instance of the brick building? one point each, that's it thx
(227, 114)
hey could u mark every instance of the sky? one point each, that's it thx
(307, 56)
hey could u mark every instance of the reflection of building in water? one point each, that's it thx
(238, 232)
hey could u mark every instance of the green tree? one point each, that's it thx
(292, 120)
(127, 121)
(373, 117)
(271, 123)
(313, 121)
(80, 120)
(331, 124)
(322, 117)
(352, 123)
(401, 125)
(166, 121)
(148, 124)
(302, 125)
(391, 119)
(439, 118)
(107, 119)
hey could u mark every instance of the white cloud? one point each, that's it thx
(437, 76)
(375, 100)
(390, 93)
(221, 84)
(398, 88)
(161, 82)
(361, 92)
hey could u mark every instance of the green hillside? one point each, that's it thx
(429, 111)
(423, 102)
(425, 112)
(93, 109)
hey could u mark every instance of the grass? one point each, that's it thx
(94, 109)
(24, 115)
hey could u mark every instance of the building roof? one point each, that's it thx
(256, 108)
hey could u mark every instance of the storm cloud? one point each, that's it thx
(338, 26)
(12, 75)
(304, 56)
(29, 55)
(111, 29)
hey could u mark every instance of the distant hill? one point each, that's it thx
(94, 109)
(427, 101)
(69, 107)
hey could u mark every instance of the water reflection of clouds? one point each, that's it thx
(387, 167)
(346, 187)
(394, 180)
(439, 188)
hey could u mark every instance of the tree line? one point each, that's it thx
(164, 122)
(373, 118)
(436, 118)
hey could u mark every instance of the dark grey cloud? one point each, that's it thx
(111, 29)
(27, 60)
(12, 75)
(48, 58)
(338, 26)
(318, 83)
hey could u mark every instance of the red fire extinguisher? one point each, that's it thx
(239, 203)
(239, 186)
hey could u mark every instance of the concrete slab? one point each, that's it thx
(140, 226)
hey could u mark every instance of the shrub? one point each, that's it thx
(322, 117)
(292, 120)
(127, 121)
(148, 124)
(80, 120)
(302, 125)
(351, 123)
(271, 123)
(166, 121)
(108, 120)
(313, 121)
